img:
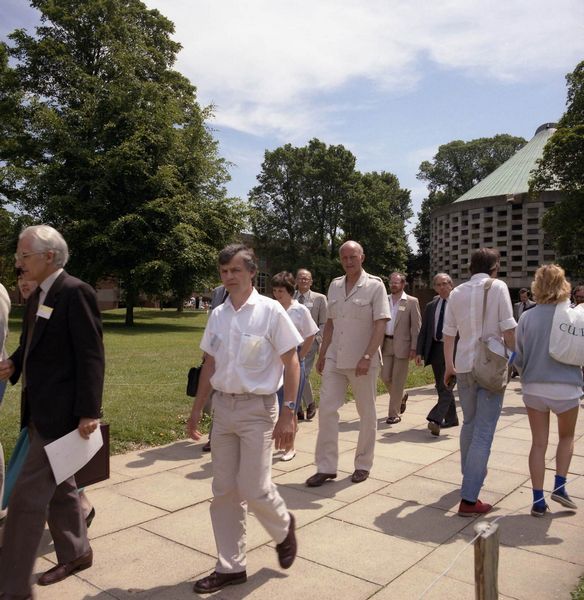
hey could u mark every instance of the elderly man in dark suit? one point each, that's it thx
(430, 349)
(60, 362)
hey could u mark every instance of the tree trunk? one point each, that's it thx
(130, 300)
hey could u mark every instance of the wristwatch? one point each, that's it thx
(367, 356)
(290, 405)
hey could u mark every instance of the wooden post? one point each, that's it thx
(486, 561)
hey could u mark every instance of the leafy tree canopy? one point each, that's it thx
(108, 143)
(562, 168)
(310, 199)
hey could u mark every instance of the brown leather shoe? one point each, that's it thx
(217, 581)
(62, 571)
(311, 411)
(359, 475)
(404, 404)
(287, 549)
(319, 478)
(206, 447)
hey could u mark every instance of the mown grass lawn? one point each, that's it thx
(146, 368)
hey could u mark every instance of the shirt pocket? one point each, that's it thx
(360, 309)
(254, 351)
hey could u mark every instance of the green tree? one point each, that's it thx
(562, 168)
(111, 147)
(375, 215)
(310, 199)
(298, 206)
(456, 168)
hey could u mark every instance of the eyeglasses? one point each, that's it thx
(20, 256)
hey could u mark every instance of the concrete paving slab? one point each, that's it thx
(169, 490)
(305, 579)
(72, 587)
(523, 575)
(115, 512)
(550, 535)
(385, 468)
(146, 462)
(419, 453)
(414, 582)
(384, 557)
(405, 519)
(192, 527)
(154, 561)
(341, 489)
(301, 459)
(425, 491)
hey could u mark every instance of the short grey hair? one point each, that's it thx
(45, 238)
(448, 278)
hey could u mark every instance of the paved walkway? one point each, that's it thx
(387, 538)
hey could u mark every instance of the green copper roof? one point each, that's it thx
(512, 177)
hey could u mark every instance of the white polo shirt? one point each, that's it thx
(247, 345)
(464, 314)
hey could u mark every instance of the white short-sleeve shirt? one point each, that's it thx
(247, 345)
(300, 316)
(464, 315)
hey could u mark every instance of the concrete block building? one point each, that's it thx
(498, 212)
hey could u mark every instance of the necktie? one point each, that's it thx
(440, 321)
(30, 323)
(301, 298)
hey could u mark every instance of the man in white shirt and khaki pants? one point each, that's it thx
(248, 340)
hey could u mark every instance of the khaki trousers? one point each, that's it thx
(333, 392)
(393, 374)
(34, 491)
(242, 475)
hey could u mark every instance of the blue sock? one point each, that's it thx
(559, 485)
(538, 501)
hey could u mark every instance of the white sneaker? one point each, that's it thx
(288, 455)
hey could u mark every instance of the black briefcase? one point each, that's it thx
(98, 468)
(193, 380)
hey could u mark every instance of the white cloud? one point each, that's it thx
(270, 65)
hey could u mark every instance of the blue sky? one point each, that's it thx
(390, 80)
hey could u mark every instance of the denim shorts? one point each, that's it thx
(546, 404)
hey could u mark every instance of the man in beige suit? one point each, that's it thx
(357, 313)
(399, 346)
(316, 304)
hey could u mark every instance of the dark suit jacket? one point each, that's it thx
(424, 344)
(65, 361)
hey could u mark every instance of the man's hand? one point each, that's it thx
(448, 373)
(6, 369)
(412, 354)
(362, 367)
(418, 361)
(283, 434)
(87, 426)
(193, 424)
(320, 363)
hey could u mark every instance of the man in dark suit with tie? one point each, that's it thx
(60, 362)
(430, 349)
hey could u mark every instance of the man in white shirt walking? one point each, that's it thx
(248, 341)
(480, 407)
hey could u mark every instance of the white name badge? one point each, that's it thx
(402, 308)
(44, 311)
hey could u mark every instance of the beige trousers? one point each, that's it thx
(333, 392)
(242, 475)
(393, 374)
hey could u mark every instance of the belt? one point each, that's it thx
(389, 337)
